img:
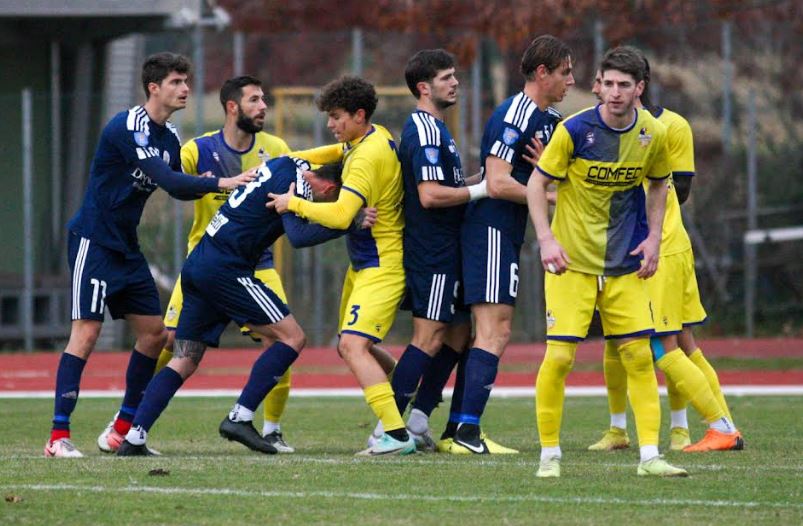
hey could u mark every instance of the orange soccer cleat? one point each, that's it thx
(717, 441)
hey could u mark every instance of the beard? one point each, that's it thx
(443, 104)
(247, 124)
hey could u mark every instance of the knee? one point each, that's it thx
(636, 356)
(348, 349)
(170, 340)
(152, 342)
(83, 338)
(560, 356)
(297, 340)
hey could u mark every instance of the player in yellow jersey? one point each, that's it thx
(374, 282)
(239, 145)
(676, 308)
(604, 241)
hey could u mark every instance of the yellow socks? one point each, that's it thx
(276, 400)
(642, 389)
(691, 383)
(615, 379)
(165, 356)
(711, 377)
(380, 398)
(549, 390)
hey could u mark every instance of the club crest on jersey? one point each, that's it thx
(644, 138)
(263, 155)
(432, 155)
(141, 138)
(509, 136)
(590, 138)
(550, 319)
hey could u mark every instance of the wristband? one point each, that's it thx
(478, 191)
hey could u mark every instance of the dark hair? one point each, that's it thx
(349, 94)
(546, 50)
(330, 172)
(626, 59)
(645, 95)
(232, 89)
(424, 66)
(158, 66)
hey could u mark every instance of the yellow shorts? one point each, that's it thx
(370, 299)
(623, 303)
(268, 276)
(674, 294)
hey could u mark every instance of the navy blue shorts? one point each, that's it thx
(490, 265)
(433, 296)
(214, 296)
(106, 278)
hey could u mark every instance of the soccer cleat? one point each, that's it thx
(62, 448)
(127, 449)
(110, 440)
(245, 434)
(276, 440)
(658, 467)
(495, 448)
(444, 445)
(717, 441)
(612, 439)
(678, 438)
(468, 439)
(387, 445)
(424, 441)
(548, 468)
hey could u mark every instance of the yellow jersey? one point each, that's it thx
(371, 178)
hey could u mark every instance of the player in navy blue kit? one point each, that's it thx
(493, 230)
(138, 151)
(219, 286)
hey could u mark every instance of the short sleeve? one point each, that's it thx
(659, 169)
(554, 161)
(189, 158)
(133, 144)
(507, 139)
(358, 178)
(680, 149)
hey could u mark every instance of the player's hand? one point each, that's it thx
(365, 218)
(281, 202)
(553, 258)
(535, 150)
(231, 183)
(649, 249)
(207, 174)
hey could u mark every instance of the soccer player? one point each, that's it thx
(219, 285)
(374, 282)
(138, 151)
(676, 308)
(239, 145)
(435, 194)
(493, 229)
(598, 250)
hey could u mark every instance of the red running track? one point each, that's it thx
(323, 368)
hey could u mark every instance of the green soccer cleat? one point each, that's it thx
(658, 467)
(549, 468)
(495, 448)
(678, 438)
(444, 445)
(612, 439)
(387, 445)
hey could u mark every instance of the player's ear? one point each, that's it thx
(231, 106)
(153, 88)
(359, 116)
(541, 71)
(639, 88)
(423, 88)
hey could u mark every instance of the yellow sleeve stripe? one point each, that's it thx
(547, 174)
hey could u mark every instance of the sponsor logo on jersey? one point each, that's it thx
(644, 138)
(171, 313)
(590, 138)
(432, 155)
(607, 175)
(216, 156)
(141, 138)
(509, 136)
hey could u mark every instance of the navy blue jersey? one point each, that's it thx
(511, 127)
(243, 228)
(428, 153)
(133, 156)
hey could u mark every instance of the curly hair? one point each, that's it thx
(349, 94)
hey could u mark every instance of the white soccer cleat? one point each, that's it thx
(387, 445)
(276, 439)
(109, 441)
(62, 448)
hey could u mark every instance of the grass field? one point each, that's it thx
(206, 480)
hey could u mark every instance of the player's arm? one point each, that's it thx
(331, 153)
(553, 258)
(302, 233)
(501, 184)
(680, 141)
(650, 248)
(428, 171)
(682, 187)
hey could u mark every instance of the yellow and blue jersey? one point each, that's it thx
(210, 153)
(600, 216)
(680, 152)
(371, 178)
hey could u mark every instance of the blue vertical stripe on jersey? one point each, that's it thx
(624, 235)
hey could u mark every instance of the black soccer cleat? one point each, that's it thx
(468, 436)
(127, 449)
(245, 434)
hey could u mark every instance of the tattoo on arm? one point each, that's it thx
(189, 349)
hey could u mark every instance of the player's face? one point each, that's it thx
(251, 109)
(558, 82)
(322, 190)
(619, 92)
(596, 86)
(346, 126)
(173, 91)
(443, 88)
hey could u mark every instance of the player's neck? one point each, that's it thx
(617, 122)
(157, 113)
(428, 106)
(535, 94)
(236, 138)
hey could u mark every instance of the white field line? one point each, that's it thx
(202, 492)
(498, 392)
